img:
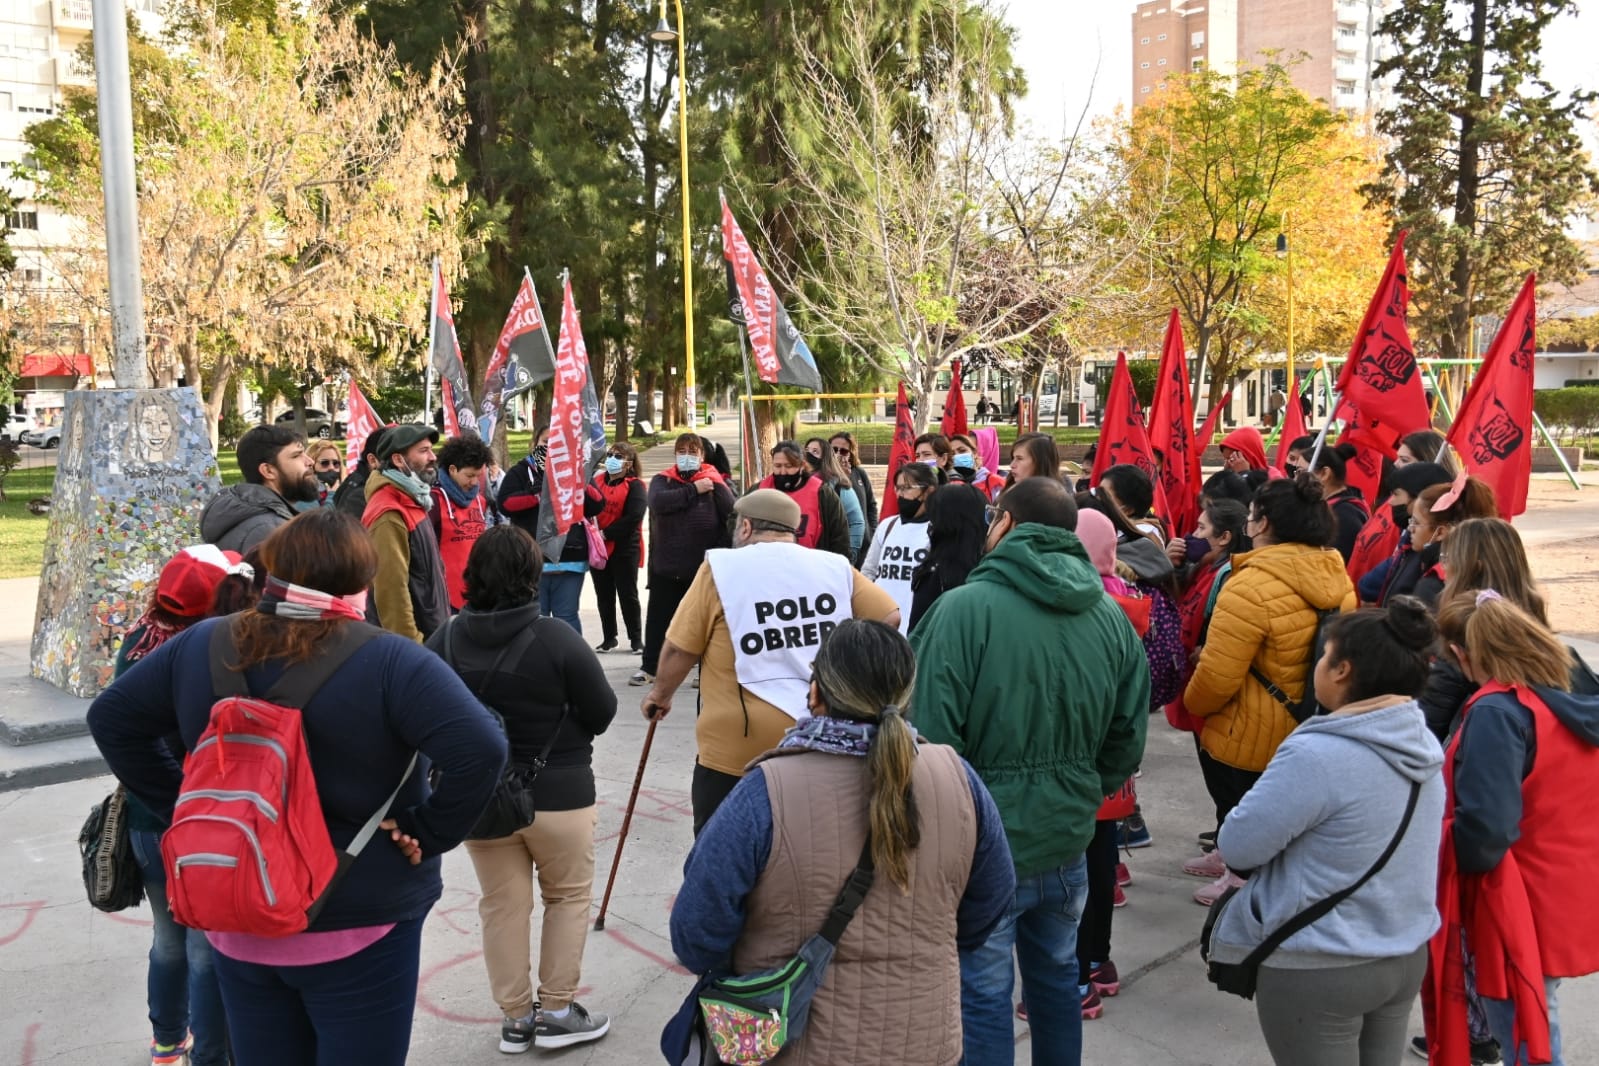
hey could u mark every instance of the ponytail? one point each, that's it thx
(892, 815)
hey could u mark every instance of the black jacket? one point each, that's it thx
(1351, 513)
(863, 488)
(558, 669)
(684, 525)
(1404, 577)
(522, 482)
(351, 495)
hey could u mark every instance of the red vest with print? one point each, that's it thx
(809, 498)
(459, 528)
(1558, 850)
(615, 503)
(1122, 802)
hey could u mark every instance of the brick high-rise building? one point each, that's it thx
(1336, 39)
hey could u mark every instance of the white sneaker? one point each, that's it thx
(640, 678)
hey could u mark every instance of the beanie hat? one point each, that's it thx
(1413, 478)
(1099, 540)
(188, 583)
(769, 505)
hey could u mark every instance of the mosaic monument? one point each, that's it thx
(134, 471)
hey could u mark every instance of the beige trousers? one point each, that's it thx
(559, 849)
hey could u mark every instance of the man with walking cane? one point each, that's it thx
(753, 620)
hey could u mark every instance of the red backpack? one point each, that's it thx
(248, 850)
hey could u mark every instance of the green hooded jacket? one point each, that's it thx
(1033, 674)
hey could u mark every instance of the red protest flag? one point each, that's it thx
(1207, 432)
(362, 422)
(1493, 431)
(1381, 377)
(576, 434)
(444, 352)
(954, 420)
(1171, 430)
(902, 452)
(1293, 421)
(1372, 444)
(1123, 438)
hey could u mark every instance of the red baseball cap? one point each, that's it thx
(188, 583)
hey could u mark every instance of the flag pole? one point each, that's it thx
(749, 392)
(1321, 438)
(433, 325)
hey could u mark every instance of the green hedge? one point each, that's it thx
(1569, 413)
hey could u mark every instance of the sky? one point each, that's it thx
(1062, 41)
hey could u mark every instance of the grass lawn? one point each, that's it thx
(883, 432)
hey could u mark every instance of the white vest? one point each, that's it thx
(780, 600)
(904, 546)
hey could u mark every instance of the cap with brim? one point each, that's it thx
(406, 437)
(374, 441)
(769, 505)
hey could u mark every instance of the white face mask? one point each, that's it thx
(688, 464)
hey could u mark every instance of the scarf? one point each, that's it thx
(535, 459)
(456, 494)
(297, 602)
(152, 634)
(412, 486)
(836, 736)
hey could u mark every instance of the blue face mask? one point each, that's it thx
(965, 461)
(614, 466)
(688, 464)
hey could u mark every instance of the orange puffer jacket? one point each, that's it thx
(1265, 617)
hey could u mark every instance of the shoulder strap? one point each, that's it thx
(1276, 692)
(518, 643)
(1316, 911)
(298, 683)
(851, 897)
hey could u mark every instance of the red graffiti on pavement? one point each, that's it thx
(30, 910)
(424, 999)
(126, 919)
(29, 1036)
(664, 963)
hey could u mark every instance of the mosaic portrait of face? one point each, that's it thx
(155, 429)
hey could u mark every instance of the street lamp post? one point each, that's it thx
(665, 34)
(1287, 253)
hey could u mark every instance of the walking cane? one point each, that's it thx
(627, 820)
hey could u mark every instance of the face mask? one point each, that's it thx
(1401, 514)
(687, 464)
(328, 477)
(789, 482)
(815, 461)
(909, 505)
(965, 461)
(930, 462)
(613, 465)
(1195, 548)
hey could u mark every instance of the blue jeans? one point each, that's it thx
(559, 592)
(352, 1010)
(1041, 929)
(182, 983)
(1502, 1020)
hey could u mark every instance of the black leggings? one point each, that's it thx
(1093, 930)
(619, 581)
(665, 594)
(709, 789)
(1227, 785)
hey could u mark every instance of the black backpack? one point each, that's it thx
(1305, 707)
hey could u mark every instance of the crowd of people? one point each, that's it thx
(948, 694)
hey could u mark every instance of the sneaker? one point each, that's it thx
(1209, 894)
(1209, 866)
(1092, 1007)
(1207, 839)
(1483, 1052)
(1118, 898)
(171, 1054)
(1124, 876)
(1105, 979)
(605, 646)
(516, 1034)
(695, 681)
(577, 1027)
(1021, 1011)
(1133, 833)
(640, 679)
(635, 648)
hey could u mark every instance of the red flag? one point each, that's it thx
(1207, 432)
(445, 353)
(1380, 378)
(1171, 431)
(566, 464)
(362, 423)
(1293, 421)
(902, 452)
(954, 420)
(1123, 437)
(1493, 431)
(781, 354)
(1372, 445)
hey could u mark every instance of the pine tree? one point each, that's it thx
(1486, 165)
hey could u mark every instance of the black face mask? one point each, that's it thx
(789, 482)
(909, 505)
(328, 477)
(814, 461)
(1401, 514)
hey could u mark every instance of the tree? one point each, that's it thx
(294, 185)
(1486, 164)
(1211, 158)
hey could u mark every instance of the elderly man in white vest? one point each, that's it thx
(753, 620)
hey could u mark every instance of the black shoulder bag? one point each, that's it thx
(1304, 708)
(510, 806)
(1239, 978)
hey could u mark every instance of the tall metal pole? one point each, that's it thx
(115, 105)
(688, 260)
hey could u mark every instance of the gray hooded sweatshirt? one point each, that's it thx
(242, 516)
(1318, 818)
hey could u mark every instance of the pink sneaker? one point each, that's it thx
(1092, 1006)
(1209, 866)
(1119, 899)
(1105, 979)
(1210, 893)
(1124, 876)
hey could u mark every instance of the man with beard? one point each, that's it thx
(278, 473)
(409, 592)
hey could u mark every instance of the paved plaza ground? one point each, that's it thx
(72, 979)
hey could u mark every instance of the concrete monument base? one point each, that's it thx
(134, 470)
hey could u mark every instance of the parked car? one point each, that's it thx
(48, 437)
(16, 425)
(317, 423)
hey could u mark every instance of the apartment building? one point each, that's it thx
(1335, 40)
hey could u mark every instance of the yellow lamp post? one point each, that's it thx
(665, 34)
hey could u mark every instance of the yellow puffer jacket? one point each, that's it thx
(1265, 617)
